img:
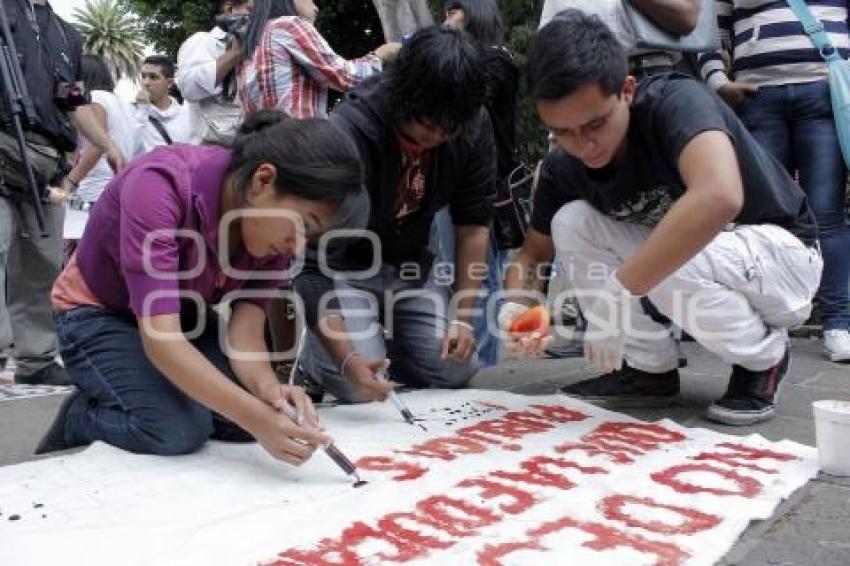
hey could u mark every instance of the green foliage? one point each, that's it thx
(351, 26)
(109, 31)
(167, 23)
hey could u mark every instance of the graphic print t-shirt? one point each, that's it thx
(667, 113)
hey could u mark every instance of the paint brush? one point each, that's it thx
(334, 453)
(330, 448)
(299, 349)
(406, 413)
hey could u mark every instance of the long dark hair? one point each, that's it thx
(95, 74)
(262, 13)
(483, 20)
(314, 159)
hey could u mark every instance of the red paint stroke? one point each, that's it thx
(522, 500)
(392, 523)
(643, 437)
(455, 516)
(741, 456)
(536, 473)
(618, 457)
(491, 554)
(446, 448)
(476, 439)
(559, 414)
(605, 538)
(747, 486)
(511, 428)
(407, 543)
(410, 471)
(614, 507)
(474, 434)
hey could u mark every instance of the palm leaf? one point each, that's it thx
(113, 33)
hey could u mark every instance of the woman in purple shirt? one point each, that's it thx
(179, 230)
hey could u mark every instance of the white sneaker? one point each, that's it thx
(837, 345)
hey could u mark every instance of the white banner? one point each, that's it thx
(497, 479)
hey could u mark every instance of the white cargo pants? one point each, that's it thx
(737, 297)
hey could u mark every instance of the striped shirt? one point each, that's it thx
(293, 67)
(764, 44)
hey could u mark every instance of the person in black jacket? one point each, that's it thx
(426, 142)
(482, 20)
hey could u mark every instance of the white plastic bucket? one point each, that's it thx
(832, 429)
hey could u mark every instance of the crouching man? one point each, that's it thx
(425, 142)
(658, 194)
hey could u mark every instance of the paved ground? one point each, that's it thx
(811, 528)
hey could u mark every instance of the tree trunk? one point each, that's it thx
(399, 17)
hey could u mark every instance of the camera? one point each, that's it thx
(69, 96)
(233, 25)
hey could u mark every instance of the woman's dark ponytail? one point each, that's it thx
(314, 159)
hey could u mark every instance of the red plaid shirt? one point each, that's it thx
(293, 67)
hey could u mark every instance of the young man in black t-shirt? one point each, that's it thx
(658, 193)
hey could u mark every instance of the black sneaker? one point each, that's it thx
(54, 439)
(627, 388)
(52, 374)
(565, 349)
(751, 396)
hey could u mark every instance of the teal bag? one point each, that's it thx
(839, 73)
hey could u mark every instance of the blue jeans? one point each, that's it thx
(485, 327)
(125, 401)
(795, 123)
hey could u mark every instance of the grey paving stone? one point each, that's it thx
(23, 422)
(813, 531)
(835, 377)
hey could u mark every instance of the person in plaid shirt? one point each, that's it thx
(287, 65)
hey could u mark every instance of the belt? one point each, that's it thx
(650, 60)
(77, 203)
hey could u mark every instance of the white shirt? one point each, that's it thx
(212, 116)
(175, 120)
(121, 130)
(611, 12)
(119, 126)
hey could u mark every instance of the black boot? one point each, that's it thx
(52, 374)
